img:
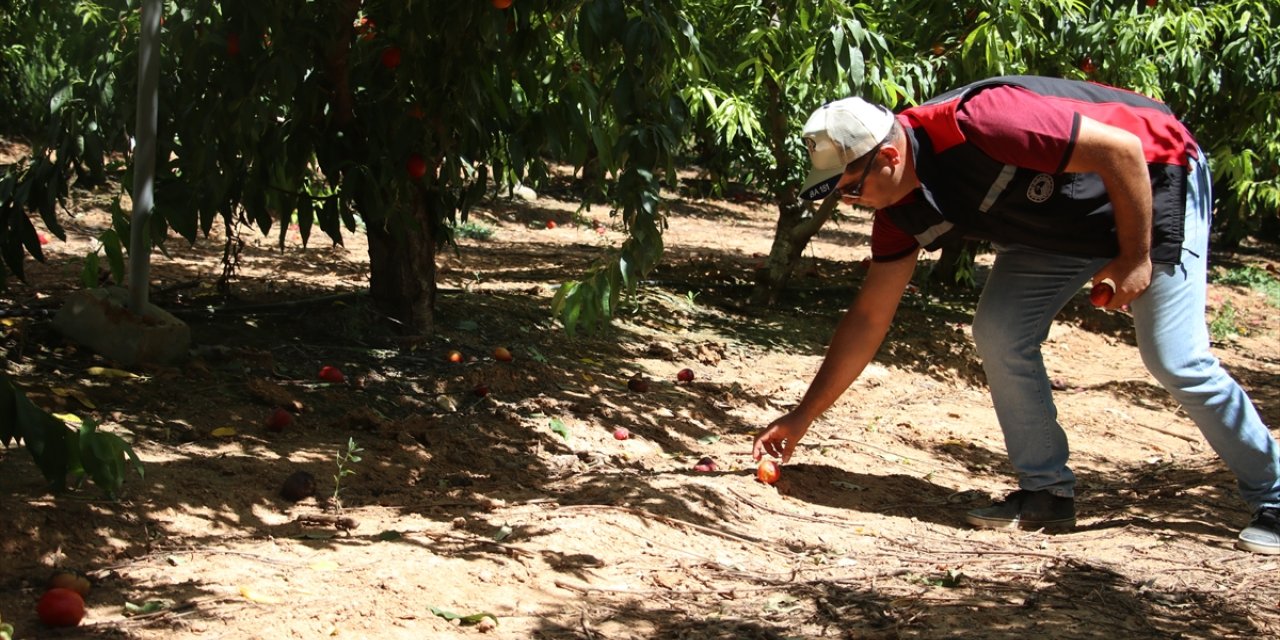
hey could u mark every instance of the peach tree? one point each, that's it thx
(394, 116)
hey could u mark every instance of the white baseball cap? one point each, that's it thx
(838, 133)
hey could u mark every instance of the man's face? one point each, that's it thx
(858, 176)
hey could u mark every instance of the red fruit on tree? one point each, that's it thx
(416, 166)
(1152, 3)
(1087, 65)
(768, 472)
(938, 49)
(60, 607)
(1101, 293)
(685, 375)
(501, 4)
(279, 420)
(233, 44)
(331, 374)
(391, 57)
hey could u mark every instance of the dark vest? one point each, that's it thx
(966, 193)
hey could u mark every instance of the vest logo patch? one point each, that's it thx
(1041, 188)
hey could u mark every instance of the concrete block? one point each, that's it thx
(100, 319)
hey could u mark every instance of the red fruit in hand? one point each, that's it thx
(391, 57)
(621, 433)
(1101, 293)
(279, 419)
(685, 375)
(60, 607)
(416, 166)
(331, 374)
(768, 472)
(705, 465)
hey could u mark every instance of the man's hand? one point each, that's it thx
(1130, 279)
(779, 439)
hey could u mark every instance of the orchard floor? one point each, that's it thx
(522, 504)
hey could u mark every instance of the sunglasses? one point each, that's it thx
(854, 191)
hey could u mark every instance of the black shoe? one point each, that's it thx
(1026, 510)
(1263, 534)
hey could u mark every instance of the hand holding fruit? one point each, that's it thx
(1102, 292)
(1120, 282)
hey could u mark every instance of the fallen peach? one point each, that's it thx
(331, 374)
(768, 472)
(279, 420)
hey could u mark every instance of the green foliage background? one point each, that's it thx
(621, 90)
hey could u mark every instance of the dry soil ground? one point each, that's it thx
(522, 505)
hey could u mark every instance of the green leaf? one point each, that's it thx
(115, 254)
(471, 619)
(150, 606)
(558, 426)
(89, 273)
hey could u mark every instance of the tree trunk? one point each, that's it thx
(402, 268)
(402, 246)
(795, 229)
(795, 224)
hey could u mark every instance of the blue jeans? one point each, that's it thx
(1028, 287)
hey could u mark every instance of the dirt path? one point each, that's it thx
(522, 504)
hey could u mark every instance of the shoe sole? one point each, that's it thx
(1253, 547)
(1049, 525)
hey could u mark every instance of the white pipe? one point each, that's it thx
(144, 156)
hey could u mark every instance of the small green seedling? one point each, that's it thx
(345, 458)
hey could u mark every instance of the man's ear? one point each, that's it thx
(891, 154)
